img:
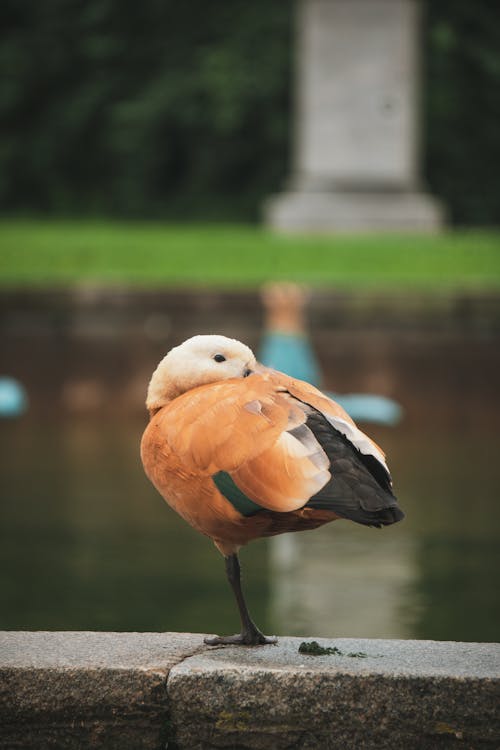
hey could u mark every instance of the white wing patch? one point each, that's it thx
(300, 442)
(357, 438)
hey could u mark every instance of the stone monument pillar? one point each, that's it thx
(356, 131)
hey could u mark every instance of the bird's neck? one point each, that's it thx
(161, 391)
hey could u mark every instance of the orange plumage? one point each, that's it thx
(242, 452)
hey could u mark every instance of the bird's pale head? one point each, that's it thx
(198, 361)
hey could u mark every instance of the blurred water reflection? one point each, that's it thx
(344, 583)
(86, 543)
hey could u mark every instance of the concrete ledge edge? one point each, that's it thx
(157, 690)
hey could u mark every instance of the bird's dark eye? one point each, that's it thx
(219, 358)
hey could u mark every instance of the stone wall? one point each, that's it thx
(169, 690)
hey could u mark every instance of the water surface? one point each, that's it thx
(87, 543)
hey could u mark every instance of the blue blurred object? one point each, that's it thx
(13, 399)
(292, 354)
(369, 407)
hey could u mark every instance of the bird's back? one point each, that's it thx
(247, 458)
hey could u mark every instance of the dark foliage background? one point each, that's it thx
(182, 110)
(462, 107)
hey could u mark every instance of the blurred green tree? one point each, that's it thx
(182, 110)
(462, 107)
(157, 108)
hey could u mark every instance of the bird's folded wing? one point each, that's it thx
(252, 431)
(333, 412)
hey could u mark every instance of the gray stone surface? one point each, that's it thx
(356, 129)
(357, 92)
(412, 694)
(345, 211)
(152, 690)
(99, 690)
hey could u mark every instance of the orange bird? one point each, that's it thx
(241, 451)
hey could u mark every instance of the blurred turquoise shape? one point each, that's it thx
(369, 407)
(292, 354)
(13, 399)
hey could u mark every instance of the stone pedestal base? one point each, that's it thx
(353, 211)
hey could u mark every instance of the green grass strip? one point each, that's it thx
(232, 256)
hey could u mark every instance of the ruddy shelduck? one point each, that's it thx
(241, 451)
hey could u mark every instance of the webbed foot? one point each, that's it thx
(249, 638)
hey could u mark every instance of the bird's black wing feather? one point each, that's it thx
(360, 488)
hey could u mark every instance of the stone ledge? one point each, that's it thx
(78, 690)
(152, 690)
(354, 211)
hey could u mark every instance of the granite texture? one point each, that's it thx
(169, 690)
(411, 694)
(95, 690)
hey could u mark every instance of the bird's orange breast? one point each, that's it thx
(251, 432)
(190, 493)
(193, 494)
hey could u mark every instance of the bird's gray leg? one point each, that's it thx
(250, 634)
